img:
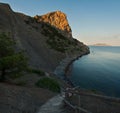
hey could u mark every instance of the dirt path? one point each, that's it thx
(54, 105)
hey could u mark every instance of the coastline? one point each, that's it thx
(86, 97)
(63, 68)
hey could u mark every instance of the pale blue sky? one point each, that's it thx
(92, 21)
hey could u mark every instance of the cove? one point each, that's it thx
(99, 70)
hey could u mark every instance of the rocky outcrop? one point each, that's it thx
(44, 40)
(57, 19)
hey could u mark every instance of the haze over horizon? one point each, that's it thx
(92, 21)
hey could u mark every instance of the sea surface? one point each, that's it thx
(98, 71)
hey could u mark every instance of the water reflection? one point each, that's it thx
(99, 70)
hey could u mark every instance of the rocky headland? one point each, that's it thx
(46, 40)
(49, 45)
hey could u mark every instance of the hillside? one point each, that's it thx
(50, 47)
(45, 39)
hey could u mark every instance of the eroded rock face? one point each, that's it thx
(57, 19)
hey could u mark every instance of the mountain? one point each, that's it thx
(101, 44)
(46, 39)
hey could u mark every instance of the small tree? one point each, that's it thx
(10, 61)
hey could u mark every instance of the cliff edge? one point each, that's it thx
(46, 39)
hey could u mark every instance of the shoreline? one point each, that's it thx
(67, 68)
(86, 97)
(63, 68)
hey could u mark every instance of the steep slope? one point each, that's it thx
(46, 44)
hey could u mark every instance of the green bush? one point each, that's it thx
(11, 61)
(49, 83)
(36, 71)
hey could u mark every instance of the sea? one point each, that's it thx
(98, 71)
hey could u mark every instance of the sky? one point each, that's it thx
(92, 21)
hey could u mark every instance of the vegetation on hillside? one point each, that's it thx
(49, 83)
(56, 40)
(10, 60)
(36, 71)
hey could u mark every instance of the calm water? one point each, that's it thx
(100, 70)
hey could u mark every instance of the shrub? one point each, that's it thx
(36, 71)
(11, 61)
(56, 40)
(49, 83)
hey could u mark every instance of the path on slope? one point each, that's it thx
(54, 105)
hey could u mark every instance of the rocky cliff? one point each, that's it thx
(57, 19)
(44, 38)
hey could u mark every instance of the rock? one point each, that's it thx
(57, 19)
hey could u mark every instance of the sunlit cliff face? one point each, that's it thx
(56, 19)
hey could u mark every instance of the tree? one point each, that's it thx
(10, 60)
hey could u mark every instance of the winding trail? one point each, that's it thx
(54, 105)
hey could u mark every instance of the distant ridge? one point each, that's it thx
(100, 44)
